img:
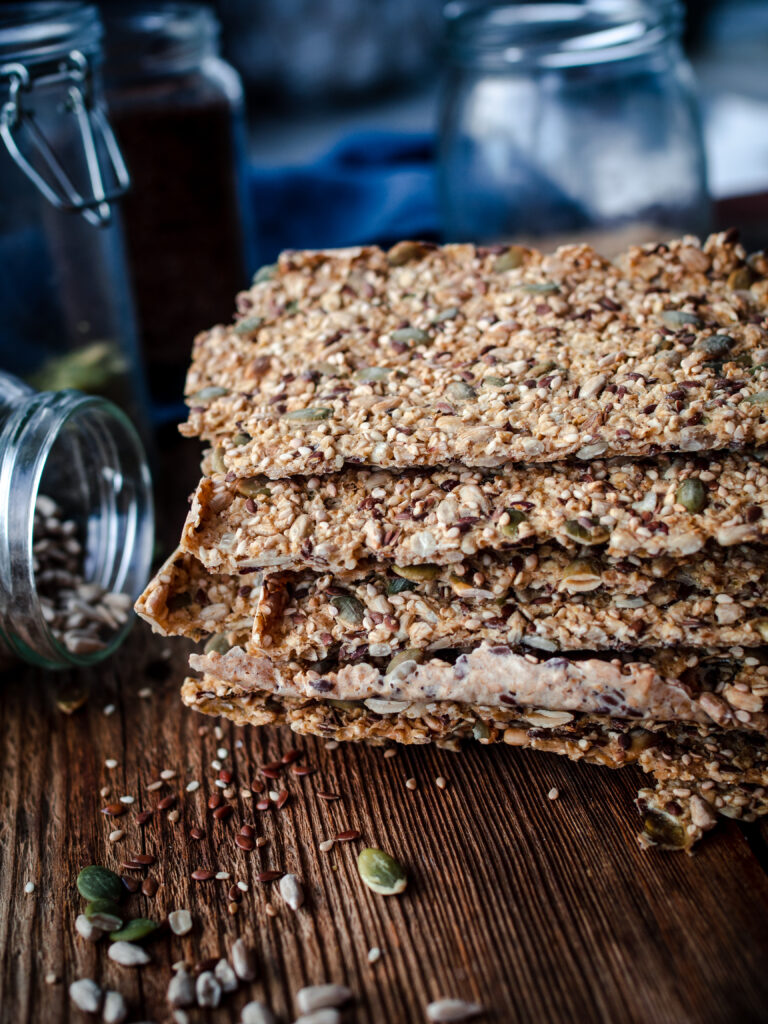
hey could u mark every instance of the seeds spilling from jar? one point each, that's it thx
(82, 616)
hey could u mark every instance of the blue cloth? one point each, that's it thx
(371, 187)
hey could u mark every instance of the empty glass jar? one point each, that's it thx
(562, 120)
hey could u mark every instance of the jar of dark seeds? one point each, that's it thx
(76, 525)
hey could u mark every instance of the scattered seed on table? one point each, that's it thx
(256, 1013)
(116, 835)
(440, 782)
(233, 894)
(223, 876)
(127, 800)
(86, 995)
(232, 907)
(327, 796)
(269, 910)
(374, 955)
(87, 929)
(131, 884)
(110, 763)
(257, 786)
(223, 812)
(390, 752)
(246, 794)
(262, 841)
(215, 800)
(127, 954)
(243, 960)
(208, 990)
(109, 709)
(271, 773)
(292, 891)
(197, 833)
(553, 794)
(329, 1015)
(114, 810)
(326, 845)
(145, 859)
(262, 805)
(225, 976)
(174, 815)
(51, 978)
(273, 795)
(134, 931)
(98, 883)
(282, 799)
(291, 755)
(180, 922)
(168, 773)
(29, 887)
(222, 752)
(347, 837)
(153, 786)
(145, 692)
(143, 817)
(229, 792)
(319, 997)
(411, 783)
(303, 769)
(247, 830)
(167, 802)
(202, 875)
(242, 886)
(192, 786)
(225, 775)
(381, 872)
(216, 765)
(104, 791)
(444, 1011)
(150, 886)
(268, 876)
(331, 745)
(245, 843)
(220, 783)
(181, 989)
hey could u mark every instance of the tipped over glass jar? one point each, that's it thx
(76, 525)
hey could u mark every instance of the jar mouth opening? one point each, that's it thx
(42, 31)
(557, 35)
(145, 38)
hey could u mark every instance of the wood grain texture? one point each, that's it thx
(541, 910)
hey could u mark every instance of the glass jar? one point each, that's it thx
(562, 120)
(177, 110)
(76, 525)
(67, 318)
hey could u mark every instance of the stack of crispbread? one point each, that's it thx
(460, 492)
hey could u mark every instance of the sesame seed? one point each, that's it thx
(440, 782)
(222, 876)
(229, 792)
(154, 786)
(390, 752)
(127, 799)
(331, 744)
(222, 752)
(167, 773)
(242, 886)
(51, 978)
(270, 910)
(218, 732)
(262, 841)
(173, 816)
(411, 783)
(145, 692)
(273, 795)
(116, 834)
(192, 786)
(110, 763)
(326, 845)
(220, 783)
(29, 887)
(374, 954)
(109, 709)
(554, 793)
(105, 791)
(216, 765)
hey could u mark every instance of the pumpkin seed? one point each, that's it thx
(678, 317)
(348, 607)
(291, 307)
(206, 395)
(716, 346)
(582, 574)
(410, 334)
(509, 260)
(759, 398)
(217, 461)
(539, 287)
(136, 930)
(343, 705)
(461, 391)
(380, 872)
(400, 585)
(691, 494)
(493, 382)
(480, 731)
(515, 518)
(663, 830)
(217, 644)
(371, 373)
(316, 413)
(328, 369)
(248, 325)
(595, 533)
(761, 627)
(409, 654)
(252, 487)
(265, 273)
(741, 279)
(447, 314)
(404, 252)
(97, 883)
(417, 573)
(104, 914)
(540, 369)
(240, 439)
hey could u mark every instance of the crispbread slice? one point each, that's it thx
(700, 771)
(728, 687)
(444, 515)
(471, 355)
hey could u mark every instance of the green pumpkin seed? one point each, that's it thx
(206, 395)
(328, 369)
(404, 252)
(480, 731)
(409, 654)
(515, 518)
(460, 391)
(248, 325)
(513, 258)
(136, 930)
(759, 398)
(595, 533)
(417, 573)
(410, 334)
(252, 487)
(678, 318)
(241, 439)
(265, 273)
(344, 705)
(399, 585)
(761, 627)
(348, 607)
(539, 287)
(217, 644)
(217, 460)
(740, 280)
(97, 883)
(582, 574)
(663, 830)
(104, 914)
(291, 307)
(372, 373)
(716, 346)
(447, 314)
(493, 382)
(310, 414)
(691, 494)
(380, 872)
(540, 369)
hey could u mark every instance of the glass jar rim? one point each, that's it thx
(46, 29)
(557, 35)
(157, 38)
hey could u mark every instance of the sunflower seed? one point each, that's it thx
(128, 955)
(312, 413)
(318, 997)
(225, 976)
(86, 929)
(104, 914)
(324, 1016)
(86, 995)
(445, 1011)
(207, 990)
(291, 890)
(256, 1013)
(410, 334)
(243, 960)
(181, 989)
(114, 1010)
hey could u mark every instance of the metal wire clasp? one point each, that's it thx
(18, 121)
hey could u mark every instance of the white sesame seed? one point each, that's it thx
(220, 783)
(222, 876)
(222, 752)
(29, 887)
(153, 786)
(192, 786)
(105, 791)
(109, 709)
(167, 773)
(126, 799)
(246, 794)
(110, 763)
(242, 886)
(116, 834)
(326, 845)
(218, 732)
(216, 765)
(410, 784)
(145, 692)
(390, 752)
(331, 744)
(173, 816)
(229, 792)
(273, 795)
(51, 978)
(554, 793)
(440, 782)
(239, 744)
(374, 954)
